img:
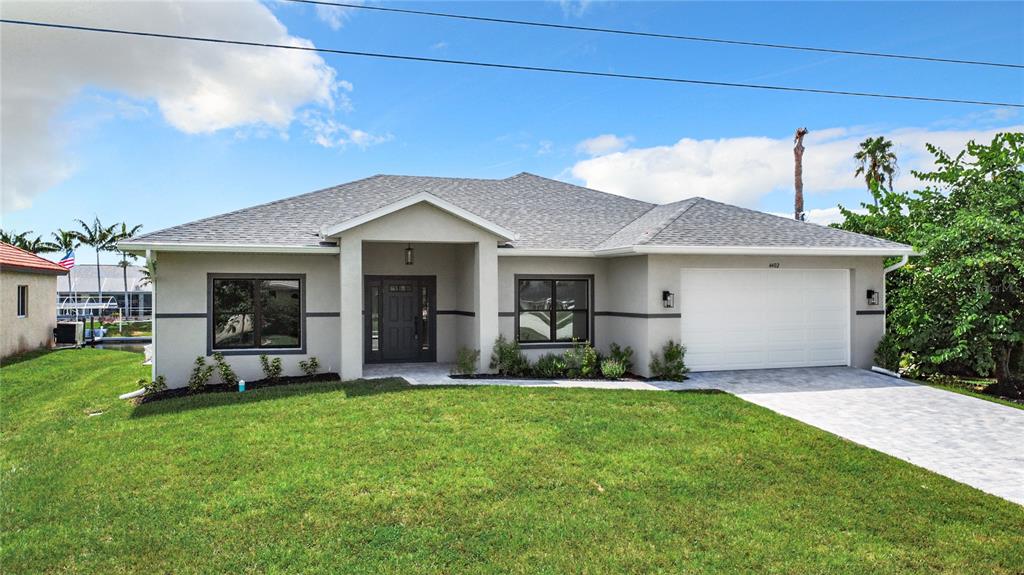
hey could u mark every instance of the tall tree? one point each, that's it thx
(798, 173)
(63, 241)
(124, 233)
(959, 307)
(102, 239)
(23, 240)
(876, 162)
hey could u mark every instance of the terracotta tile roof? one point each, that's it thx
(17, 259)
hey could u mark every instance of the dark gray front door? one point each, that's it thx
(400, 318)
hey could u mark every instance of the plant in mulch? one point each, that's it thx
(549, 365)
(227, 375)
(612, 368)
(465, 361)
(623, 355)
(201, 375)
(271, 367)
(887, 354)
(309, 367)
(582, 361)
(508, 359)
(669, 365)
(154, 387)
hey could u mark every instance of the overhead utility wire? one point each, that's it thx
(501, 66)
(656, 34)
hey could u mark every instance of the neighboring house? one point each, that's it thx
(78, 294)
(409, 269)
(28, 307)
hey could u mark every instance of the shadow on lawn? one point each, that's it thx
(351, 389)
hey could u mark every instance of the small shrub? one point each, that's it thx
(153, 387)
(309, 367)
(887, 354)
(623, 355)
(271, 367)
(201, 374)
(612, 368)
(670, 365)
(582, 360)
(227, 375)
(550, 366)
(508, 359)
(465, 361)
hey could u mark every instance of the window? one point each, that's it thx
(258, 313)
(22, 301)
(552, 310)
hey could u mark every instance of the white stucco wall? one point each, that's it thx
(35, 330)
(181, 283)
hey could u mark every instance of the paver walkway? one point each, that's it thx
(977, 442)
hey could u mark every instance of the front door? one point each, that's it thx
(399, 319)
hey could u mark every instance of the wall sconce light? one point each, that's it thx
(668, 299)
(872, 297)
(409, 255)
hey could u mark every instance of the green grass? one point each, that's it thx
(370, 477)
(129, 329)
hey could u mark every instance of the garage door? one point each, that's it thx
(750, 319)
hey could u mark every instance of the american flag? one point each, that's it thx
(68, 261)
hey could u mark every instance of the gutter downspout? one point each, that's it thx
(885, 292)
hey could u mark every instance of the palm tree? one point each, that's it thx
(876, 161)
(23, 241)
(102, 239)
(148, 272)
(63, 241)
(125, 233)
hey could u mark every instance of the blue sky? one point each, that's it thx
(121, 143)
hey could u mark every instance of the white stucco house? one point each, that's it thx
(409, 269)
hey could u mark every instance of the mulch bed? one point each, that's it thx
(249, 386)
(626, 377)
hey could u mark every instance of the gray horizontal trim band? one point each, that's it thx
(181, 315)
(455, 312)
(556, 345)
(506, 314)
(870, 312)
(323, 314)
(639, 315)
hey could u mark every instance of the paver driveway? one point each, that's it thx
(971, 440)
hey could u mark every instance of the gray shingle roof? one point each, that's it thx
(544, 213)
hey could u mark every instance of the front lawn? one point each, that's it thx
(368, 477)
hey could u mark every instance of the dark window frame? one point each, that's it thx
(23, 300)
(300, 350)
(554, 278)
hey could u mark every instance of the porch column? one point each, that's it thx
(486, 294)
(350, 266)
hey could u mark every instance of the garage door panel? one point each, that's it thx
(748, 319)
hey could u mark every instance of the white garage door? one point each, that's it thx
(750, 319)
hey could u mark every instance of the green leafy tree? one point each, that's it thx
(23, 240)
(960, 306)
(876, 162)
(126, 233)
(102, 239)
(62, 241)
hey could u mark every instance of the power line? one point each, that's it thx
(657, 35)
(503, 66)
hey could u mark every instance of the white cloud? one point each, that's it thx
(822, 216)
(439, 45)
(335, 16)
(197, 88)
(574, 8)
(603, 144)
(743, 170)
(330, 133)
(544, 147)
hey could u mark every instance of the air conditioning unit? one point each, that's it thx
(69, 333)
